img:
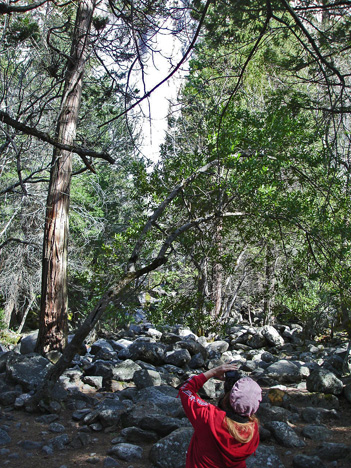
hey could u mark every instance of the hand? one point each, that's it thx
(219, 372)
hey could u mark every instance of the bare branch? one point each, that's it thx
(175, 69)
(5, 117)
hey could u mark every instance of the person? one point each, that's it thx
(223, 436)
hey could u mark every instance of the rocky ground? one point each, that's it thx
(117, 405)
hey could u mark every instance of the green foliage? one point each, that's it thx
(23, 28)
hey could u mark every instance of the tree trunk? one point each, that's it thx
(53, 310)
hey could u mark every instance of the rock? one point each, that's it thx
(256, 341)
(110, 462)
(170, 452)
(28, 343)
(284, 371)
(265, 456)
(317, 415)
(126, 452)
(28, 370)
(266, 412)
(57, 428)
(194, 347)
(167, 402)
(197, 361)
(146, 378)
(316, 432)
(324, 381)
(218, 346)
(179, 357)
(272, 336)
(95, 381)
(82, 439)
(153, 353)
(284, 434)
(148, 417)
(125, 370)
(103, 369)
(138, 435)
(4, 437)
(331, 451)
(304, 461)
(59, 442)
(101, 344)
(108, 413)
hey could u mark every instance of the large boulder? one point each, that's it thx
(178, 357)
(265, 456)
(324, 381)
(154, 353)
(125, 370)
(284, 371)
(170, 452)
(28, 370)
(272, 336)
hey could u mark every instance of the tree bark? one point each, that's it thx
(53, 311)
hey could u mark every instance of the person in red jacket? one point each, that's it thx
(223, 436)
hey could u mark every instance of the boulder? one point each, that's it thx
(170, 452)
(28, 370)
(324, 381)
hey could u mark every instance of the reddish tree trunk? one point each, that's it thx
(53, 312)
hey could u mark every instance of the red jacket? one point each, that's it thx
(211, 446)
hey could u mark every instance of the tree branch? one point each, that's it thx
(82, 152)
(175, 69)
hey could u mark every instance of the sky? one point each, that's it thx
(156, 107)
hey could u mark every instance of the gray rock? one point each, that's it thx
(101, 368)
(265, 456)
(317, 415)
(4, 437)
(179, 357)
(304, 461)
(138, 435)
(82, 439)
(211, 389)
(316, 432)
(28, 370)
(29, 444)
(9, 398)
(148, 417)
(218, 346)
(95, 381)
(272, 336)
(146, 378)
(267, 413)
(153, 353)
(324, 381)
(125, 370)
(331, 451)
(108, 413)
(194, 347)
(284, 371)
(170, 452)
(126, 452)
(284, 434)
(57, 428)
(28, 343)
(110, 462)
(197, 361)
(101, 344)
(59, 442)
(168, 402)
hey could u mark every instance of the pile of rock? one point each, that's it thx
(139, 370)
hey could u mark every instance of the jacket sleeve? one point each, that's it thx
(196, 409)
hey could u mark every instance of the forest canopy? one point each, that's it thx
(246, 211)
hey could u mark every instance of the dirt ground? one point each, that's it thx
(22, 426)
